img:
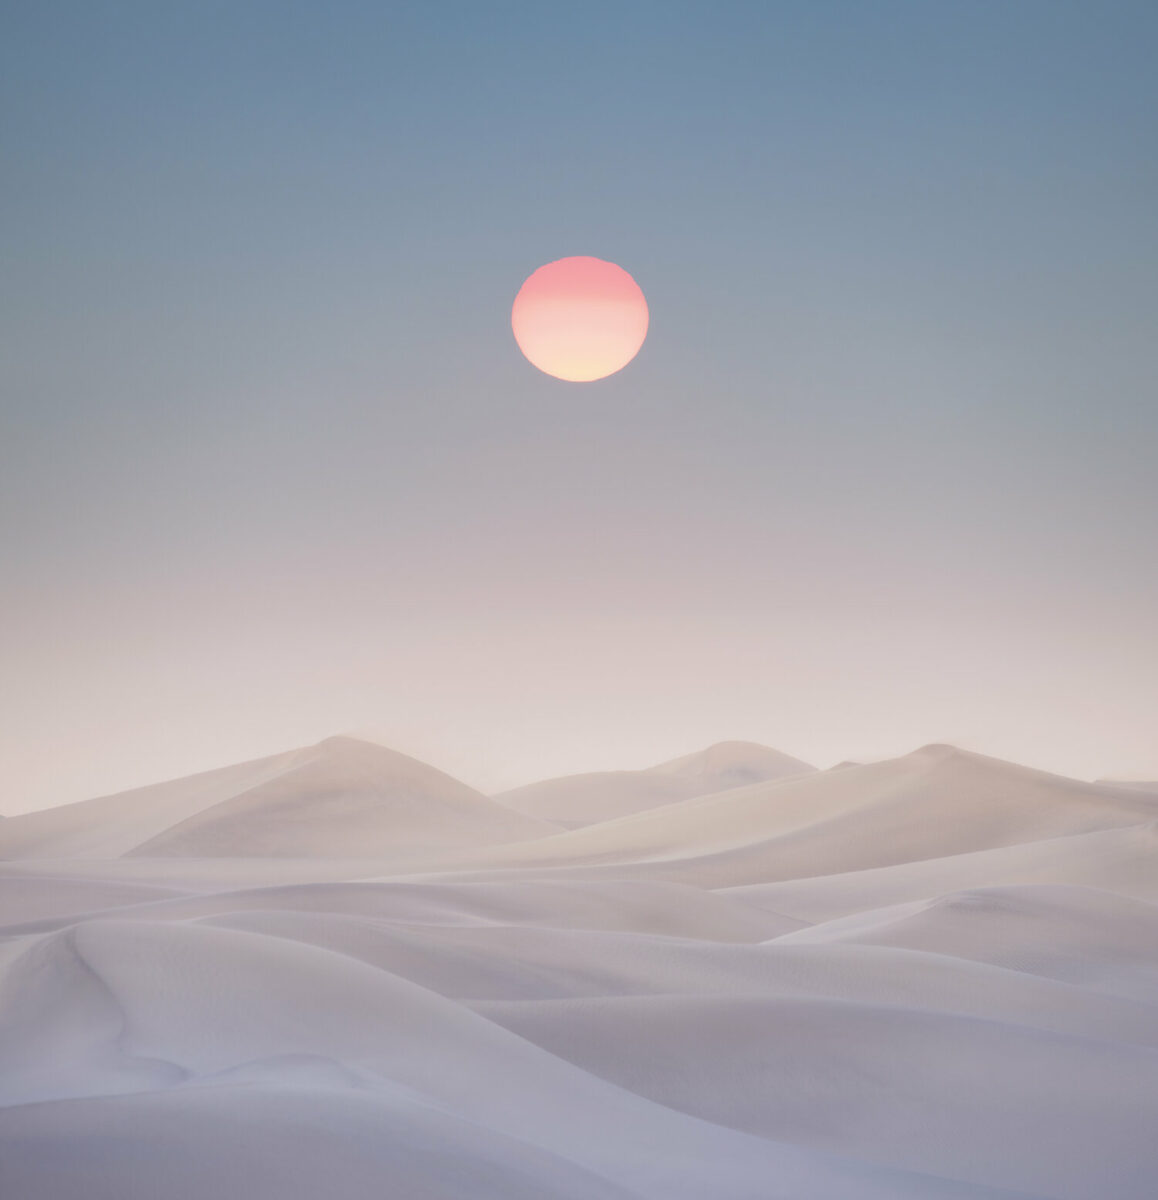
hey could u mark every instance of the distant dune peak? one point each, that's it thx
(929, 755)
(944, 759)
(346, 743)
(943, 753)
(344, 752)
(576, 800)
(939, 750)
(748, 761)
(342, 797)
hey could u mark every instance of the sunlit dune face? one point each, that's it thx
(580, 318)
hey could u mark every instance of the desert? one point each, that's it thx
(338, 970)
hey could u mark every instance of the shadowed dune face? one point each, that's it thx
(734, 978)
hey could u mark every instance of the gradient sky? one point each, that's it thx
(272, 467)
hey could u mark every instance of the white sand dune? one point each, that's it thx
(343, 798)
(481, 965)
(111, 1009)
(31, 898)
(340, 972)
(1114, 860)
(936, 802)
(1075, 934)
(577, 800)
(323, 1136)
(893, 1084)
(658, 908)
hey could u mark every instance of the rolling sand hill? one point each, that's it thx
(339, 972)
(576, 800)
(341, 798)
(935, 802)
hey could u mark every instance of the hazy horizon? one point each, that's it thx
(273, 468)
(496, 781)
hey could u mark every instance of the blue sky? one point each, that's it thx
(271, 465)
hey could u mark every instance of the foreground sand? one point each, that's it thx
(339, 973)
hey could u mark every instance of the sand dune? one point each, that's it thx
(1075, 934)
(1114, 860)
(111, 1009)
(896, 1085)
(340, 972)
(935, 802)
(339, 799)
(577, 800)
(659, 908)
(31, 898)
(323, 1136)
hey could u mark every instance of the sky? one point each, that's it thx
(273, 468)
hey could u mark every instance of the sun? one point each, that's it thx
(580, 318)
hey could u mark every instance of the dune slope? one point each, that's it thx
(576, 800)
(342, 798)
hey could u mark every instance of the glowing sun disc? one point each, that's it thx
(580, 318)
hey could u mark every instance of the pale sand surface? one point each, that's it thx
(339, 972)
(577, 800)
